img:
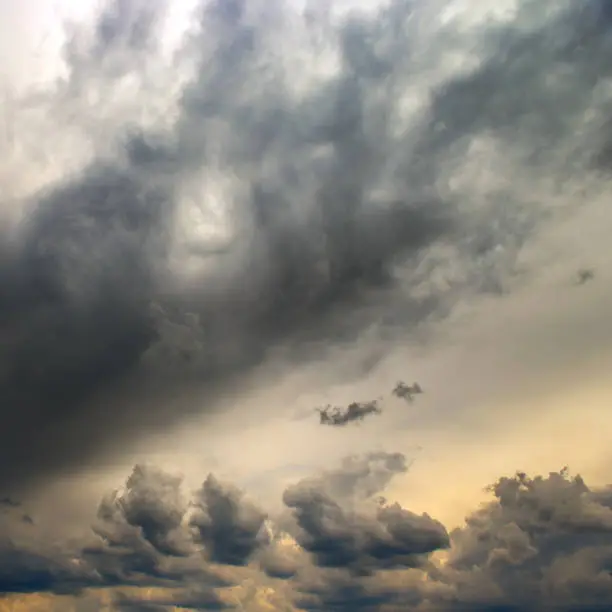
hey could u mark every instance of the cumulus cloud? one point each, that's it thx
(140, 540)
(150, 504)
(230, 527)
(151, 534)
(352, 534)
(541, 542)
(362, 542)
(284, 178)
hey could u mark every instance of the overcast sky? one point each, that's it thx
(218, 216)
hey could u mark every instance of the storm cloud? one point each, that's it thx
(359, 540)
(266, 187)
(541, 542)
(230, 528)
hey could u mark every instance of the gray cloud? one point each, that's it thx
(149, 533)
(141, 539)
(342, 213)
(152, 504)
(25, 571)
(339, 592)
(407, 392)
(352, 535)
(390, 537)
(231, 528)
(355, 411)
(122, 555)
(91, 260)
(542, 542)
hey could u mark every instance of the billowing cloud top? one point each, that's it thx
(540, 543)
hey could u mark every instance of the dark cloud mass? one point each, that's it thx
(359, 540)
(541, 543)
(230, 528)
(337, 208)
(151, 503)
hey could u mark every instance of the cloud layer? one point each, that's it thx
(284, 179)
(540, 542)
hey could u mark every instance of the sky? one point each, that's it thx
(220, 215)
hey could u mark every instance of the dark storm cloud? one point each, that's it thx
(332, 214)
(152, 534)
(137, 524)
(134, 519)
(545, 542)
(141, 540)
(339, 592)
(390, 537)
(89, 263)
(75, 310)
(30, 572)
(360, 538)
(230, 528)
(357, 480)
(152, 503)
(542, 543)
